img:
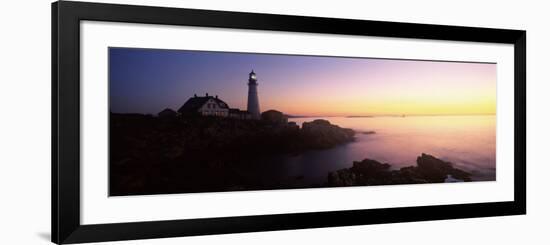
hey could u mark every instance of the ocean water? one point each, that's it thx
(469, 142)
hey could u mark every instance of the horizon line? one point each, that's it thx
(351, 116)
(396, 115)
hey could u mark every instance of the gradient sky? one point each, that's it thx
(149, 80)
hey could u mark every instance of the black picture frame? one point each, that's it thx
(66, 225)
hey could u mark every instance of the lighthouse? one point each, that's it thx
(253, 102)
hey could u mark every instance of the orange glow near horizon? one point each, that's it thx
(427, 92)
(301, 85)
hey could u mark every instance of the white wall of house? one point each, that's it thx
(212, 108)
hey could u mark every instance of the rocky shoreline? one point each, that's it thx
(428, 169)
(179, 134)
(151, 155)
(162, 155)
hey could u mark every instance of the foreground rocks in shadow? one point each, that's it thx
(428, 169)
(170, 154)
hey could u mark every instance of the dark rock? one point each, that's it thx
(370, 168)
(436, 170)
(321, 134)
(343, 177)
(293, 125)
(181, 150)
(432, 169)
(167, 113)
(429, 169)
(274, 116)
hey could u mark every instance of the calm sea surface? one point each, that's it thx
(466, 141)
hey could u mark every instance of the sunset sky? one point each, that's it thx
(149, 80)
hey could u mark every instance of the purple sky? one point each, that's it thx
(149, 80)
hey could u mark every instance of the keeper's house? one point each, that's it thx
(211, 106)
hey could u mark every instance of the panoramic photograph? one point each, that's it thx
(183, 121)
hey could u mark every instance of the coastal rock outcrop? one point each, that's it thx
(149, 153)
(322, 134)
(274, 116)
(435, 170)
(429, 169)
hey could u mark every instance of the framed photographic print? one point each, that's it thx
(175, 122)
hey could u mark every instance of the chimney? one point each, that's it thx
(206, 94)
(195, 95)
(216, 96)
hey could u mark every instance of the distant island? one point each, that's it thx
(296, 116)
(358, 116)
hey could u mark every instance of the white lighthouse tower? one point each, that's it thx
(253, 102)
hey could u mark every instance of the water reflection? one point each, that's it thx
(467, 141)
